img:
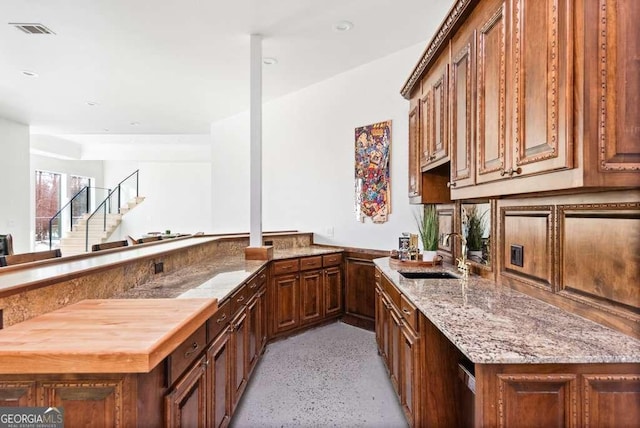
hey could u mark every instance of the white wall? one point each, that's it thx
(14, 193)
(177, 196)
(308, 157)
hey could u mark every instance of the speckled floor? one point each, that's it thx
(330, 376)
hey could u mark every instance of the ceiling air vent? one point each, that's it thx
(32, 28)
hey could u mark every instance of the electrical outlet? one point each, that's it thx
(329, 232)
(268, 243)
(517, 255)
(158, 267)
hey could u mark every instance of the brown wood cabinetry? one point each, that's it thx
(438, 386)
(187, 402)
(240, 351)
(306, 291)
(219, 357)
(543, 88)
(415, 177)
(434, 114)
(398, 344)
(359, 289)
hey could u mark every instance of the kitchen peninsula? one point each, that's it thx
(191, 338)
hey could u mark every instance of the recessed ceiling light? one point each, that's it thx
(29, 73)
(106, 129)
(92, 103)
(134, 123)
(269, 60)
(342, 26)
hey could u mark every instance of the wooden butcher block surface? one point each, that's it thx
(102, 336)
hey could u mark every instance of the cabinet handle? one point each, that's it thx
(263, 276)
(205, 364)
(222, 318)
(406, 311)
(194, 348)
(432, 157)
(510, 171)
(254, 285)
(240, 299)
(452, 184)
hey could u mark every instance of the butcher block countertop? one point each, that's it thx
(102, 336)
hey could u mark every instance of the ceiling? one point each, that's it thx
(176, 66)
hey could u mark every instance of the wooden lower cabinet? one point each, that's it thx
(240, 365)
(438, 386)
(285, 302)
(332, 284)
(359, 290)
(305, 292)
(219, 400)
(186, 403)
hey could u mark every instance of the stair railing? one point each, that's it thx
(84, 193)
(106, 203)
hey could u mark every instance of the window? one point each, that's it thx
(47, 191)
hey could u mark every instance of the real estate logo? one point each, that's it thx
(31, 417)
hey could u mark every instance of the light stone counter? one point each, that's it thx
(217, 278)
(493, 324)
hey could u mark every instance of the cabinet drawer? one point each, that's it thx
(285, 266)
(308, 263)
(409, 312)
(331, 259)
(239, 300)
(186, 353)
(219, 320)
(392, 292)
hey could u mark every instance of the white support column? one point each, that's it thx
(255, 118)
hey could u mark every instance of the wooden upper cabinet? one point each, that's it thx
(461, 108)
(415, 179)
(612, 91)
(433, 111)
(491, 97)
(542, 79)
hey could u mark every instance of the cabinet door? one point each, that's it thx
(395, 337)
(386, 330)
(541, 58)
(379, 304)
(612, 90)
(415, 176)
(240, 363)
(359, 292)
(185, 405)
(435, 145)
(491, 97)
(461, 103)
(254, 319)
(311, 299)
(17, 393)
(409, 375)
(262, 302)
(286, 313)
(100, 402)
(332, 291)
(218, 392)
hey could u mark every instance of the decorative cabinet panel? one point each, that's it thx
(359, 292)
(14, 394)
(491, 52)
(542, 93)
(461, 110)
(409, 374)
(612, 91)
(415, 178)
(433, 111)
(611, 400)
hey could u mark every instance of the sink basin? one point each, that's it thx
(428, 275)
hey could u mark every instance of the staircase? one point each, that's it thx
(73, 242)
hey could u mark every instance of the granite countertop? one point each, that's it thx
(217, 279)
(289, 253)
(494, 324)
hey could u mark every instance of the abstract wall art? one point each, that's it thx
(372, 179)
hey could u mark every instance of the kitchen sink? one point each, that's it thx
(428, 275)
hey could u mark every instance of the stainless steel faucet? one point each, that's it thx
(463, 264)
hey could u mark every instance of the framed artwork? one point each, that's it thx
(372, 183)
